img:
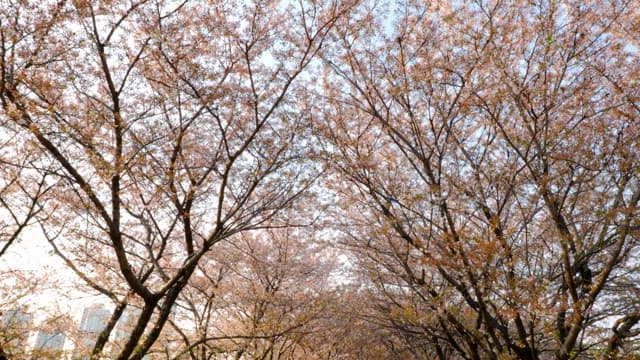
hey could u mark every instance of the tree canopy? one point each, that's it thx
(327, 179)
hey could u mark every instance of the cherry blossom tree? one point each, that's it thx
(174, 125)
(488, 154)
(272, 290)
(474, 166)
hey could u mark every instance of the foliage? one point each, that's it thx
(490, 153)
(343, 179)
